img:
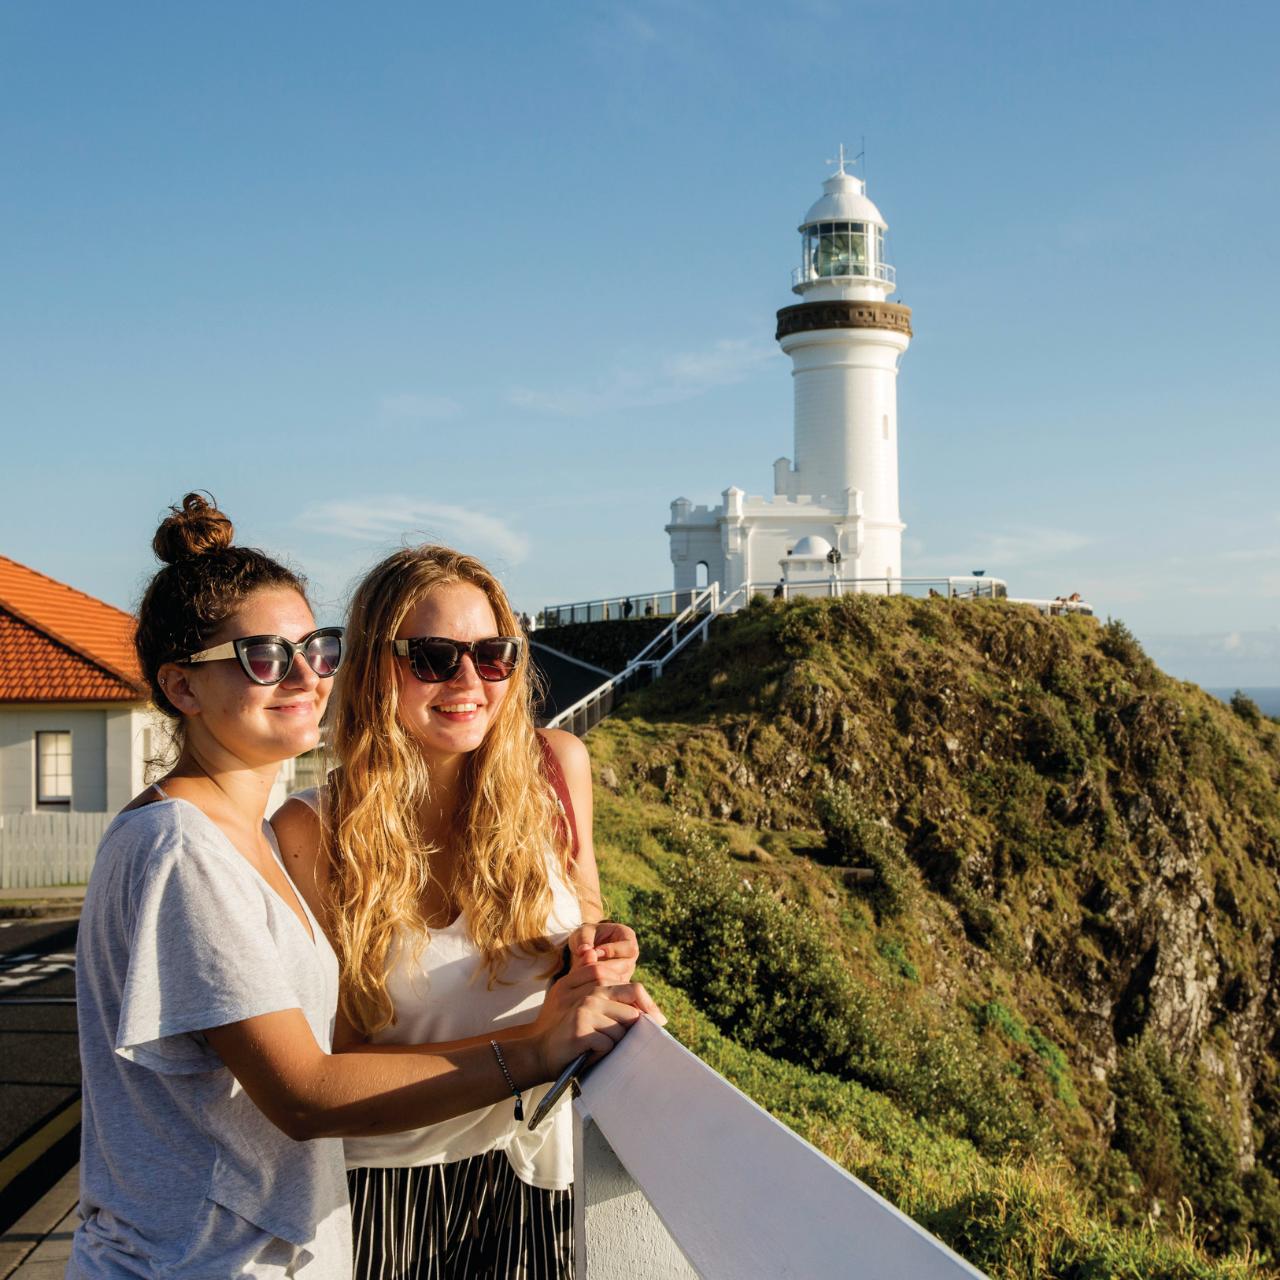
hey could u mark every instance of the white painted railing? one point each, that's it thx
(679, 1174)
(968, 587)
(668, 603)
(645, 604)
(1058, 606)
(646, 666)
(41, 850)
(867, 271)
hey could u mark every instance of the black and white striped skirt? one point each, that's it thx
(470, 1220)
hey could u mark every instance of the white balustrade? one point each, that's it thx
(680, 1174)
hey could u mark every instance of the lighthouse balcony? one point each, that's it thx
(858, 271)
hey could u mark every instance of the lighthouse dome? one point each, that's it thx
(844, 199)
(811, 547)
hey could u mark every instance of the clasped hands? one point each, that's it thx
(607, 951)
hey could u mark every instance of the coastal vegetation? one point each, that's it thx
(983, 905)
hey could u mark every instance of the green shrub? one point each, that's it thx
(768, 977)
(801, 626)
(762, 973)
(1052, 743)
(893, 951)
(1121, 645)
(1052, 1059)
(853, 838)
(1176, 1146)
(1245, 707)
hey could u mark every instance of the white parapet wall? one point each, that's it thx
(678, 1174)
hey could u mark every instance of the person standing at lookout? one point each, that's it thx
(206, 989)
(451, 856)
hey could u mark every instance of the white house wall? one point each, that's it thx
(109, 746)
(749, 542)
(19, 725)
(127, 741)
(692, 545)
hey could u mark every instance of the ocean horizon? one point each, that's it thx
(1266, 696)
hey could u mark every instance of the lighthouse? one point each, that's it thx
(834, 508)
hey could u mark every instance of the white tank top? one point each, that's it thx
(444, 994)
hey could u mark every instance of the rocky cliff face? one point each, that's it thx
(1085, 832)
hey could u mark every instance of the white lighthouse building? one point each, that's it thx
(834, 507)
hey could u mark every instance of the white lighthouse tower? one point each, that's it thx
(834, 510)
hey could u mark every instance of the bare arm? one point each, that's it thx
(571, 753)
(370, 1090)
(609, 945)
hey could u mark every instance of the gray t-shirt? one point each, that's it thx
(180, 1174)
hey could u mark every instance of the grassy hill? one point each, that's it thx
(983, 905)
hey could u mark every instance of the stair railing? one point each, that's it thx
(646, 666)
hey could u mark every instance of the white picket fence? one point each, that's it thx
(41, 850)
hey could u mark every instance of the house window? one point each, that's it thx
(53, 768)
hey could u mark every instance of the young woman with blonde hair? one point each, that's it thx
(206, 991)
(451, 873)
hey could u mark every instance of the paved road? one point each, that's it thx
(39, 1061)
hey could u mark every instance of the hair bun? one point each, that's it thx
(197, 528)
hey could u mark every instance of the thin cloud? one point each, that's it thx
(1002, 549)
(1253, 555)
(1236, 555)
(413, 406)
(395, 517)
(1236, 657)
(667, 381)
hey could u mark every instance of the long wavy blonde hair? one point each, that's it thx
(379, 864)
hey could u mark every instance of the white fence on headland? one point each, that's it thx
(1058, 607)
(41, 850)
(647, 604)
(679, 1174)
(664, 604)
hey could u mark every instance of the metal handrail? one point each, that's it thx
(873, 271)
(709, 595)
(643, 662)
(966, 586)
(647, 604)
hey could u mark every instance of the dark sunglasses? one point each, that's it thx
(268, 659)
(434, 659)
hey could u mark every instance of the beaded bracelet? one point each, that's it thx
(511, 1084)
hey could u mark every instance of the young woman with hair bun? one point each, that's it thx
(451, 855)
(213, 1107)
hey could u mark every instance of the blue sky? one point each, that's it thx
(506, 277)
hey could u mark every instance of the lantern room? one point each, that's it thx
(843, 240)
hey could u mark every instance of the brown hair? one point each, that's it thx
(204, 581)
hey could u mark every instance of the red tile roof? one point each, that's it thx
(59, 645)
